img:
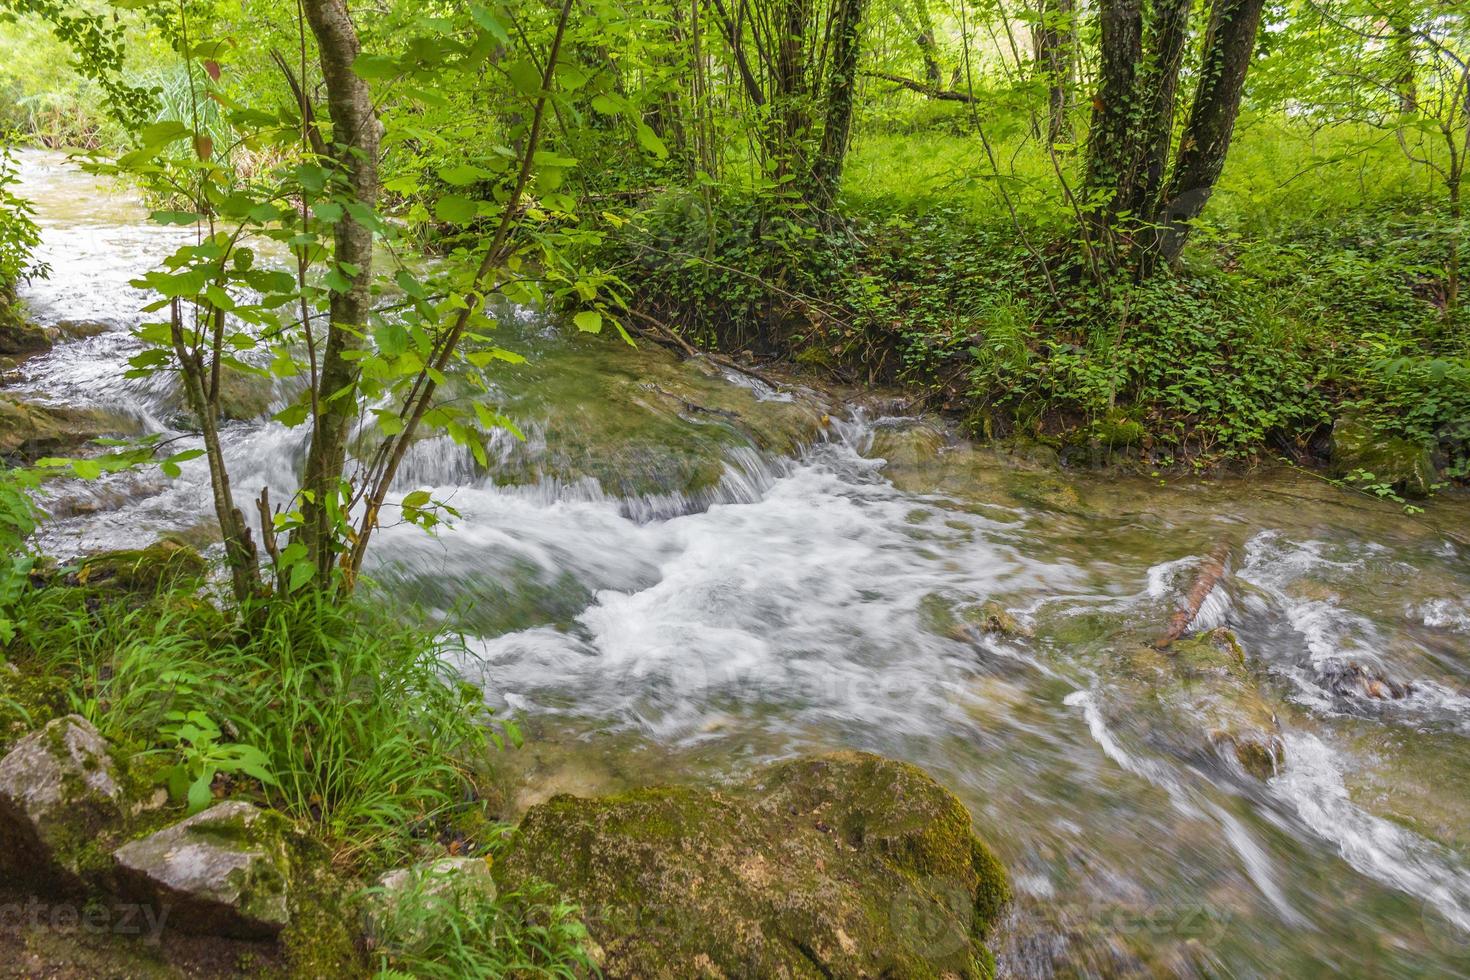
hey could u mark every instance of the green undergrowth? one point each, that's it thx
(1250, 350)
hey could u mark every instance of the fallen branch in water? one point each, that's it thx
(1209, 575)
(670, 335)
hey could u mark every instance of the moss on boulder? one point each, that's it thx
(165, 563)
(225, 871)
(1405, 465)
(1205, 678)
(62, 790)
(842, 865)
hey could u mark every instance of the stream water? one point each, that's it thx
(680, 574)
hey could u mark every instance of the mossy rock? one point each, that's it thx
(62, 790)
(226, 871)
(1405, 465)
(909, 445)
(1047, 491)
(29, 430)
(18, 337)
(28, 701)
(1118, 432)
(164, 564)
(843, 865)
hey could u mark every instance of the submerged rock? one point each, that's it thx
(61, 791)
(908, 446)
(1405, 465)
(1418, 779)
(1204, 681)
(960, 620)
(846, 865)
(29, 430)
(225, 871)
(1352, 679)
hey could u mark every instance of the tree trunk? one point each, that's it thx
(240, 554)
(1407, 82)
(354, 143)
(1230, 42)
(841, 86)
(1055, 42)
(928, 46)
(1161, 91)
(1114, 134)
(789, 86)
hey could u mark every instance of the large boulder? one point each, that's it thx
(226, 871)
(847, 865)
(1358, 448)
(62, 792)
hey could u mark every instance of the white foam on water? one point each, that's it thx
(1312, 783)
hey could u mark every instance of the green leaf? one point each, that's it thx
(487, 22)
(463, 174)
(455, 209)
(176, 217)
(649, 140)
(161, 134)
(374, 67)
(525, 76)
(301, 573)
(588, 321)
(199, 793)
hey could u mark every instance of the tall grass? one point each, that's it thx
(364, 723)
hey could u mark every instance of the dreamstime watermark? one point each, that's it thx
(129, 919)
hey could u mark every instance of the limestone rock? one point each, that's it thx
(61, 790)
(18, 338)
(225, 871)
(847, 865)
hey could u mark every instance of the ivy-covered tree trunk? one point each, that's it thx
(1229, 46)
(841, 88)
(1113, 139)
(354, 150)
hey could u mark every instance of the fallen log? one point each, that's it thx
(1211, 570)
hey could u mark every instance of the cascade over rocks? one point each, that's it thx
(842, 865)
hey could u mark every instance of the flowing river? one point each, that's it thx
(681, 573)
